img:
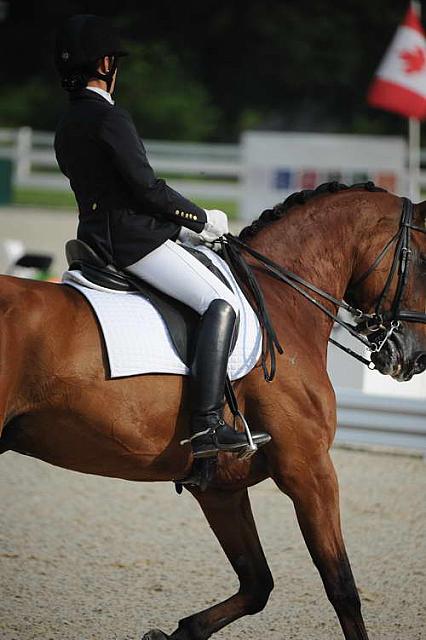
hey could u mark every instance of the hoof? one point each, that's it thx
(155, 634)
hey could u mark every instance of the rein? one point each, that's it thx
(380, 322)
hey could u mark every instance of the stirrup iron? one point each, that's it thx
(251, 447)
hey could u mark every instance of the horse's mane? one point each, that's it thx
(298, 198)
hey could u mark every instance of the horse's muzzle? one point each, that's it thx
(399, 359)
(388, 360)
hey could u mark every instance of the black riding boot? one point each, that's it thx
(210, 432)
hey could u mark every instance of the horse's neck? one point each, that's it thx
(316, 243)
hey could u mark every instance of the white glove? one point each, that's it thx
(216, 225)
(187, 236)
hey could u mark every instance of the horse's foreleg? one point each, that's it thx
(315, 494)
(231, 518)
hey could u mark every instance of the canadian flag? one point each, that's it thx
(400, 81)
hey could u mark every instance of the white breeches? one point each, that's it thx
(174, 271)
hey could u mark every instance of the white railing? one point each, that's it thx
(365, 419)
(200, 170)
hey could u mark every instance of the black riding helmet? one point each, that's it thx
(80, 42)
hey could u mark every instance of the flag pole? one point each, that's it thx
(414, 158)
(414, 141)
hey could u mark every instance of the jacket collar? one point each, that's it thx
(85, 94)
(102, 93)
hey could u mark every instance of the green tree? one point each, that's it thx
(208, 70)
(163, 98)
(36, 102)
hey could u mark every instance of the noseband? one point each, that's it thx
(382, 323)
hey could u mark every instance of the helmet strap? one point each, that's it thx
(107, 77)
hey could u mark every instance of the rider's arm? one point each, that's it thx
(120, 138)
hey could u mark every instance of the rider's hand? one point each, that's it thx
(216, 225)
(187, 236)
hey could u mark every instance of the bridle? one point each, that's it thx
(400, 266)
(373, 330)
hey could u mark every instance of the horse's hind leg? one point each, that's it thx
(231, 518)
(315, 494)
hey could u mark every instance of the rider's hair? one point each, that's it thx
(78, 78)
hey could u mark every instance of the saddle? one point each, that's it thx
(182, 324)
(181, 321)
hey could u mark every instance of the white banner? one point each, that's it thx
(277, 164)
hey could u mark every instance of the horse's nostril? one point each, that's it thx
(420, 363)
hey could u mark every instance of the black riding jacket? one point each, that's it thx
(124, 210)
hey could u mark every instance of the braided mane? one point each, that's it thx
(300, 197)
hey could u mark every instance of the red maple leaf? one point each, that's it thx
(414, 59)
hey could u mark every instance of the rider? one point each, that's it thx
(133, 219)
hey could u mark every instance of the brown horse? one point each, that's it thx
(57, 403)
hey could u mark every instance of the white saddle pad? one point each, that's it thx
(137, 339)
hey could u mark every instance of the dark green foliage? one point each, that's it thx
(163, 98)
(207, 70)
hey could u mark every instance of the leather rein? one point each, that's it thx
(382, 324)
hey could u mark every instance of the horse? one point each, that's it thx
(58, 404)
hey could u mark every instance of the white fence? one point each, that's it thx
(211, 171)
(200, 170)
